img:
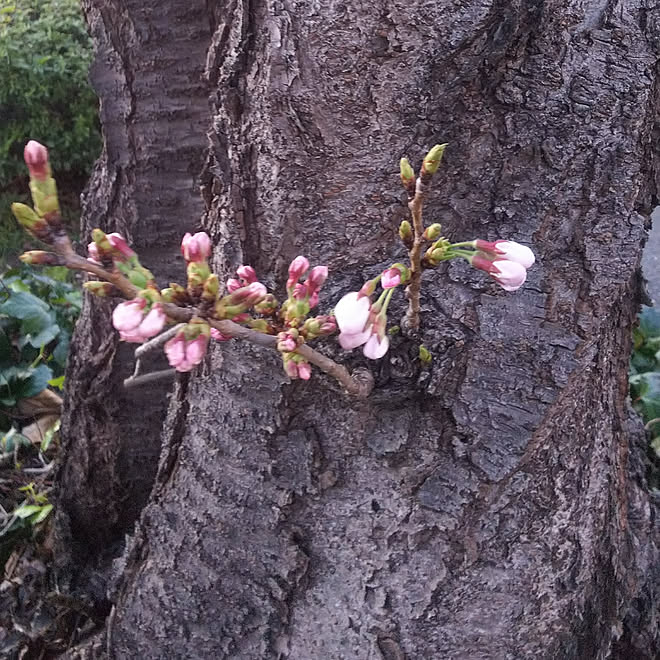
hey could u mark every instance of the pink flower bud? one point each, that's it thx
(316, 278)
(376, 347)
(510, 250)
(93, 253)
(352, 313)
(314, 300)
(233, 285)
(297, 268)
(128, 315)
(196, 247)
(390, 278)
(304, 370)
(118, 242)
(247, 274)
(291, 368)
(196, 349)
(300, 291)
(286, 342)
(510, 275)
(219, 336)
(36, 159)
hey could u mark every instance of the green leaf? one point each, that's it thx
(649, 322)
(646, 394)
(22, 305)
(45, 511)
(27, 510)
(57, 382)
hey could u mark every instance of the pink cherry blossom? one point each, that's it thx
(196, 247)
(352, 313)
(36, 159)
(376, 347)
(350, 341)
(390, 278)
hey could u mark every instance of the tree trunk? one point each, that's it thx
(492, 506)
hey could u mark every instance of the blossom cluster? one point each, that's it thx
(360, 319)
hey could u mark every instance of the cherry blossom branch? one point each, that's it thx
(359, 385)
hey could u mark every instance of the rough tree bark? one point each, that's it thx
(493, 506)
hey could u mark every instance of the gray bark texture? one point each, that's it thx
(491, 506)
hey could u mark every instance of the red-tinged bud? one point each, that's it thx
(299, 291)
(119, 246)
(233, 285)
(40, 258)
(433, 232)
(319, 326)
(368, 288)
(241, 318)
(316, 279)
(36, 159)
(314, 300)
(93, 253)
(100, 289)
(196, 247)
(297, 268)
(247, 274)
(510, 275)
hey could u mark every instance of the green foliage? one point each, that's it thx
(645, 372)
(37, 315)
(45, 53)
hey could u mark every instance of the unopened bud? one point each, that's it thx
(267, 306)
(433, 158)
(40, 258)
(175, 294)
(260, 325)
(36, 159)
(247, 274)
(211, 288)
(297, 268)
(368, 288)
(316, 278)
(100, 289)
(433, 232)
(406, 234)
(407, 172)
(30, 220)
(198, 273)
(196, 247)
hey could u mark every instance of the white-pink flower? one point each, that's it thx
(510, 275)
(376, 347)
(352, 313)
(509, 250)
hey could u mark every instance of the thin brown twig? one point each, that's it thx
(413, 291)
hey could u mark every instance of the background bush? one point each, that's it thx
(45, 54)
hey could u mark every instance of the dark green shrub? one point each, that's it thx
(37, 313)
(45, 53)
